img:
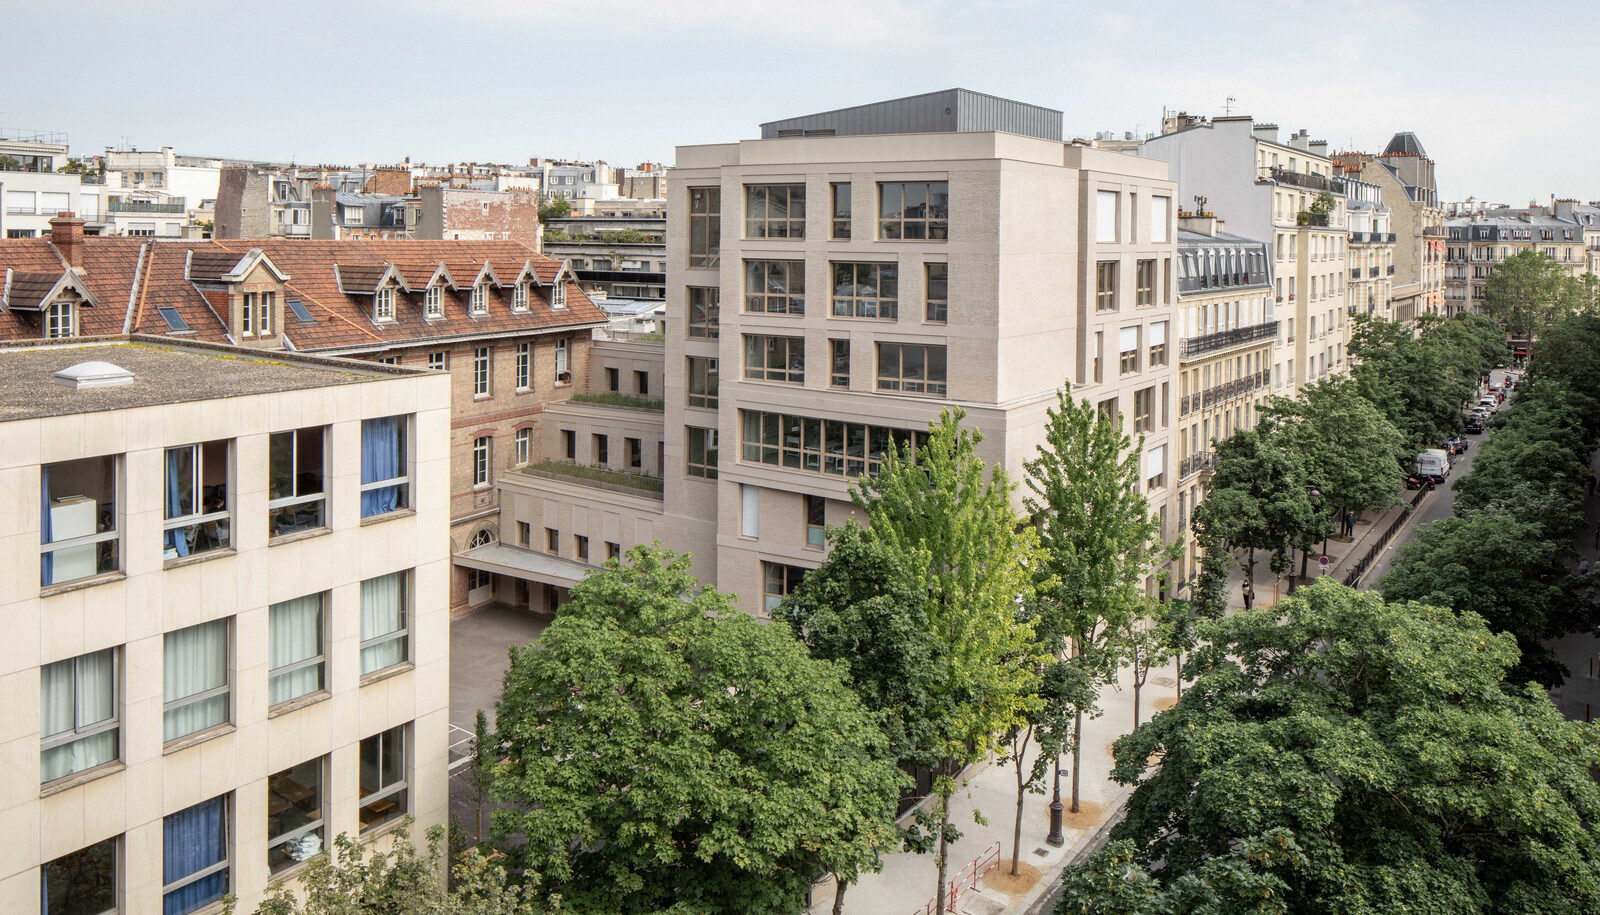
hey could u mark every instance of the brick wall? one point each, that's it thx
(513, 214)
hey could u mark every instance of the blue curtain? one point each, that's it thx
(380, 460)
(192, 840)
(176, 539)
(47, 564)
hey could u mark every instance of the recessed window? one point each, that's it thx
(1158, 343)
(914, 210)
(602, 449)
(841, 210)
(839, 363)
(194, 857)
(385, 622)
(385, 466)
(558, 295)
(82, 883)
(775, 287)
(937, 283)
(383, 778)
(247, 315)
(436, 361)
(1128, 350)
(705, 226)
(524, 533)
(480, 299)
(569, 444)
(911, 368)
(1105, 290)
(79, 715)
(702, 448)
(866, 290)
(641, 382)
(613, 379)
(702, 382)
(524, 365)
(523, 441)
(78, 524)
(480, 371)
(816, 519)
(1144, 283)
(820, 446)
(563, 375)
(773, 358)
(296, 487)
(197, 494)
(295, 815)
(1144, 404)
(635, 450)
(294, 649)
(433, 302)
(196, 679)
(383, 304)
(613, 551)
(480, 461)
(704, 311)
(519, 297)
(777, 582)
(775, 211)
(580, 545)
(264, 302)
(552, 540)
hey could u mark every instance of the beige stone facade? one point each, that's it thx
(101, 682)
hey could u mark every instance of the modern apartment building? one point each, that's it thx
(1286, 193)
(1227, 330)
(158, 193)
(510, 326)
(34, 185)
(832, 288)
(618, 257)
(225, 585)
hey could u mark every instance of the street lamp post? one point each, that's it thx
(1056, 837)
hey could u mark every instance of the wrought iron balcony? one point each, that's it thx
(1372, 271)
(1195, 463)
(1222, 393)
(1307, 181)
(1355, 273)
(143, 206)
(1223, 339)
(1391, 269)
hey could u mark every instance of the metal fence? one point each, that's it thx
(1353, 577)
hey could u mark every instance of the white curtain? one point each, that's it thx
(294, 634)
(196, 661)
(383, 610)
(1159, 214)
(1105, 216)
(77, 693)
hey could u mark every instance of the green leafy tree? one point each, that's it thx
(665, 752)
(1258, 499)
(949, 520)
(554, 208)
(1351, 453)
(1528, 292)
(1420, 381)
(357, 879)
(1100, 544)
(1344, 754)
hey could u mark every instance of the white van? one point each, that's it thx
(1434, 464)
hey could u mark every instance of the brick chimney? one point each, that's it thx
(66, 233)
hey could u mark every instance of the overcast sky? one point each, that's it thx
(1502, 95)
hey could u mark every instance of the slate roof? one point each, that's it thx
(341, 322)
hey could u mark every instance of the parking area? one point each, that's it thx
(479, 654)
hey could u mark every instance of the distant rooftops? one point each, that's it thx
(1405, 143)
(947, 111)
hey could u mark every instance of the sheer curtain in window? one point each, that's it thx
(77, 693)
(196, 662)
(382, 613)
(380, 460)
(294, 634)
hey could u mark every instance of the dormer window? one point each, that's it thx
(519, 297)
(435, 302)
(480, 299)
(558, 295)
(255, 315)
(59, 321)
(383, 304)
(264, 302)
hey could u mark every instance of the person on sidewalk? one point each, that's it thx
(1248, 593)
(1583, 567)
(1350, 525)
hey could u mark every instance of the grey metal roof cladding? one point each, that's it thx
(947, 111)
(1404, 143)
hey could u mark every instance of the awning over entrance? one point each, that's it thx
(527, 564)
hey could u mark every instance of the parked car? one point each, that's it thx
(1489, 400)
(1434, 464)
(1474, 424)
(1456, 445)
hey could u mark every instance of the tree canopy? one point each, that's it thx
(664, 752)
(1530, 291)
(1344, 754)
(1351, 453)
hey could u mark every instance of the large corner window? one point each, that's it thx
(385, 466)
(78, 714)
(297, 494)
(911, 368)
(294, 649)
(914, 210)
(194, 857)
(383, 778)
(294, 815)
(385, 622)
(777, 582)
(195, 679)
(81, 883)
(78, 524)
(705, 226)
(775, 211)
(199, 503)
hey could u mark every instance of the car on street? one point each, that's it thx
(1474, 424)
(1456, 445)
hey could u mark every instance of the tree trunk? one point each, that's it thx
(1177, 671)
(1024, 738)
(1077, 756)
(939, 859)
(840, 885)
(1136, 687)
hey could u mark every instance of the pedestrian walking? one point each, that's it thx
(1350, 524)
(1248, 593)
(1583, 567)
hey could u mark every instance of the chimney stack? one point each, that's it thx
(66, 233)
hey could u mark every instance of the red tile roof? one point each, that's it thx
(131, 278)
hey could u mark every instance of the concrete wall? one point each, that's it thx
(627, 358)
(134, 612)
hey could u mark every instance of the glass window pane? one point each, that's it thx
(82, 883)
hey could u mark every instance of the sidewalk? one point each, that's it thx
(906, 884)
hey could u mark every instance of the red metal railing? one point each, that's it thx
(965, 880)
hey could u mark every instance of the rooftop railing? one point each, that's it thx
(144, 206)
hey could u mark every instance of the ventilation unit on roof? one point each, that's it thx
(93, 375)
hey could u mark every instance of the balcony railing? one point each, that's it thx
(1301, 179)
(1372, 271)
(143, 206)
(1391, 270)
(1195, 463)
(1223, 339)
(1222, 393)
(1432, 232)
(1358, 238)
(1355, 273)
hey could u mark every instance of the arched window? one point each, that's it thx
(481, 538)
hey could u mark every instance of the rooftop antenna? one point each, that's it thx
(1227, 107)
